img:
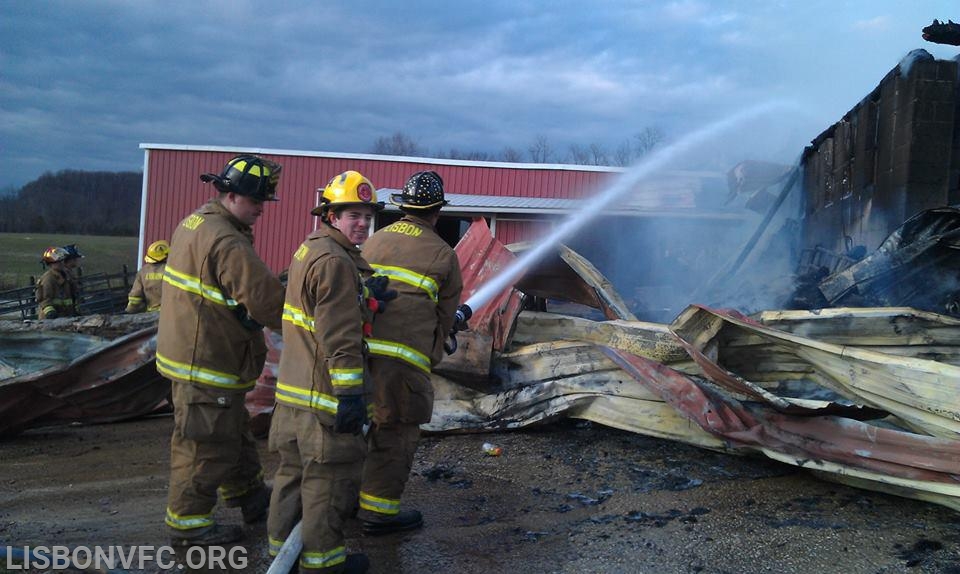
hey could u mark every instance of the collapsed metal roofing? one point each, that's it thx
(867, 397)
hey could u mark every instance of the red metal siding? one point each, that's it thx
(516, 230)
(174, 190)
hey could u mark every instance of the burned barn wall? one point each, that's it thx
(896, 153)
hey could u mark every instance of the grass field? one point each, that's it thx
(20, 255)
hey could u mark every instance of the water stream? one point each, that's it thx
(624, 183)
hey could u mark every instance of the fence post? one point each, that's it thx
(33, 311)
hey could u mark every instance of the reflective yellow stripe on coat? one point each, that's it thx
(194, 285)
(396, 350)
(296, 316)
(410, 278)
(306, 398)
(184, 372)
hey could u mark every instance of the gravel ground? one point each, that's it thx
(566, 497)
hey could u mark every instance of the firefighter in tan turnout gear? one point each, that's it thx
(56, 292)
(216, 296)
(148, 284)
(406, 344)
(322, 385)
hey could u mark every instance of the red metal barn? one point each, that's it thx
(519, 201)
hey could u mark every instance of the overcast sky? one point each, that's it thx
(83, 83)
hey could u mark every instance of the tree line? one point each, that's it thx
(78, 202)
(540, 150)
(108, 203)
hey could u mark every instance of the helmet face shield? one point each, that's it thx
(247, 175)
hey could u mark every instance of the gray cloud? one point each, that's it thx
(84, 83)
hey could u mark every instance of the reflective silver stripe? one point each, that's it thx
(192, 284)
(194, 374)
(324, 559)
(275, 545)
(296, 316)
(399, 351)
(188, 522)
(306, 398)
(378, 504)
(346, 377)
(410, 278)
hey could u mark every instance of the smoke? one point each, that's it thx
(704, 142)
(677, 254)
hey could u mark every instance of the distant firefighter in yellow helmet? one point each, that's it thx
(55, 291)
(147, 286)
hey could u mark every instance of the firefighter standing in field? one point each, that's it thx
(322, 385)
(406, 344)
(148, 284)
(55, 292)
(72, 266)
(218, 294)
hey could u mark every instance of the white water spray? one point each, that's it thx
(624, 183)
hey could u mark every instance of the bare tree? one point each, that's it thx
(622, 155)
(511, 155)
(455, 153)
(397, 144)
(598, 155)
(540, 150)
(646, 140)
(579, 155)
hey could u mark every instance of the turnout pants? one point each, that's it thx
(211, 450)
(403, 399)
(317, 479)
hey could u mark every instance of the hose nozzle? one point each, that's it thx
(463, 314)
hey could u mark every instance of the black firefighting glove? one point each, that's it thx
(351, 414)
(378, 293)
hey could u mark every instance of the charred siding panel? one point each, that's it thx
(893, 155)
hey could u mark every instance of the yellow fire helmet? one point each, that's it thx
(157, 252)
(348, 188)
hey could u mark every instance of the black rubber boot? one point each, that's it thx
(255, 506)
(208, 536)
(404, 520)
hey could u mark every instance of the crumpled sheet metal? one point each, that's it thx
(545, 381)
(915, 265)
(928, 464)
(921, 392)
(712, 407)
(568, 276)
(481, 258)
(112, 382)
